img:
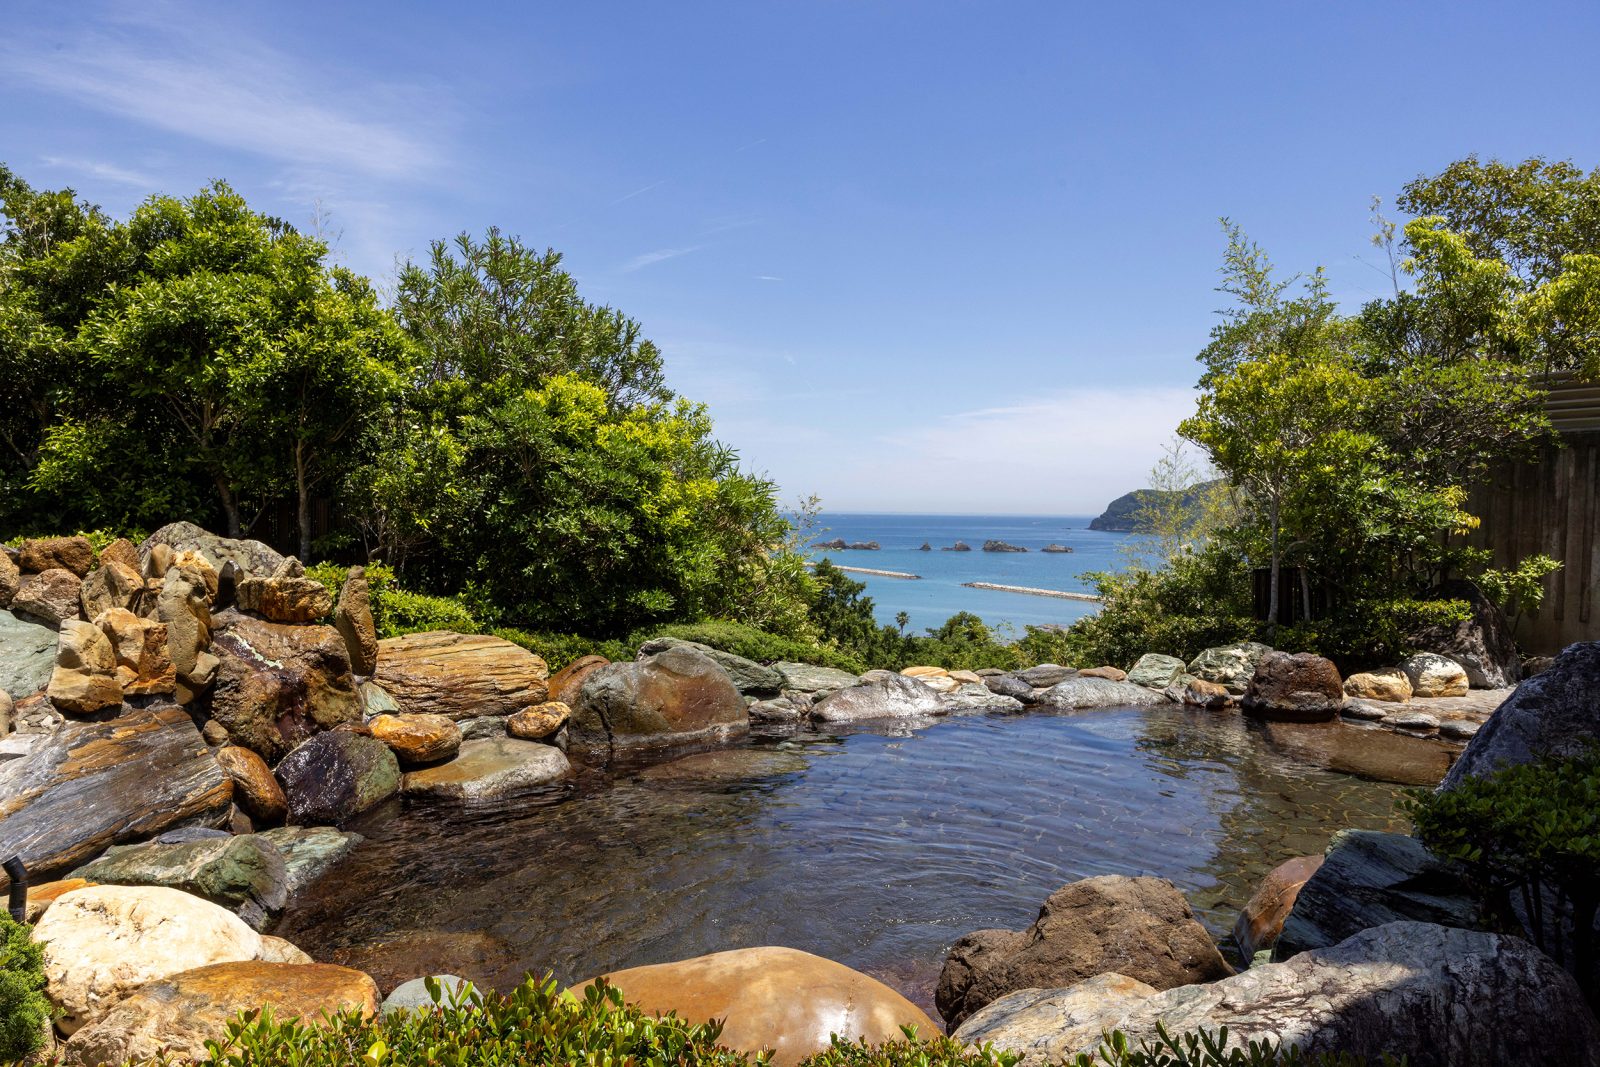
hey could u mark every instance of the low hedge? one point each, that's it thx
(24, 1011)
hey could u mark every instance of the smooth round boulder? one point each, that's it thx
(177, 1015)
(1390, 684)
(490, 769)
(779, 998)
(1155, 671)
(1294, 687)
(882, 696)
(254, 788)
(417, 740)
(674, 697)
(336, 776)
(1140, 927)
(539, 722)
(1433, 675)
(1261, 921)
(102, 942)
(408, 996)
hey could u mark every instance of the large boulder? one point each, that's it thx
(1139, 927)
(1368, 878)
(883, 695)
(1554, 714)
(675, 696)
(774, 998)
(279, 684)
(85, 677)
(1433, 675)
(255, 790)
(27, 655)
(91, 785)
(748, 676)
(353, 618)
(1263, 916)
(1229, 665)
(252, 557)
(490, 769)
(1155, 671)
(808, 678)
(52, 597)
(1294, 687)
(174, 1017)
(1440, 997)
(103, 942)
(73, 554)
(1083, 691)
(417, 740)
(1390, 684)
(1481, 643)
(460, 675)
(244, 874)
(335, 776)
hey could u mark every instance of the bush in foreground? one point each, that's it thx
(23, 1007)
(1209, 1049)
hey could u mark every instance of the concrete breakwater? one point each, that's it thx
(880, 574)
(1060, 594)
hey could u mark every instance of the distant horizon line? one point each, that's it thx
(824, 513)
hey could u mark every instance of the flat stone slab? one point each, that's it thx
(92, 785)
(489, 770)
(1379, 754)
(1455, 719)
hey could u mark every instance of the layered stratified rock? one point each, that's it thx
(460, 675)
(779, 998)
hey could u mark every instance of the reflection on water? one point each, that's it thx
(876, 849)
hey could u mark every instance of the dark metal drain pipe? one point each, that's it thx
(18, 904)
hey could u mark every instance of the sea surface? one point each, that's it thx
(939, 593)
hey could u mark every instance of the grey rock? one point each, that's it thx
(246, 874)
(489, 771)
(1555, 714)
(977, 695)
(748, 676)
(1358, 709)
(1229, 665)
(779, 709)
(807, 678)
(886, 696)
(252, 557)
(1155, 671)
(1098, 693)
(1369, 878)
(1440, 997)
(27, 655)
(676, 696)
(1009, 685)
(186, 834)
(309, 852)
(408, 996)
(1045, 675)
(1459, 729)
(1419, 721)
(481, 727)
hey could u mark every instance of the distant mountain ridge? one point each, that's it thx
(1122, 513)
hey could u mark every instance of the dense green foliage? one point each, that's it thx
(1209, 1049)
(913, 1051)
(23, 1007)
(1528, 835)
(754, 644)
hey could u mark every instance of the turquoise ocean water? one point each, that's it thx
(939, 593)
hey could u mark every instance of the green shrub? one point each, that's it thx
(1364, 633)
(751, 643)
(397, 611)
(558, 650)
(533, 1024)
(937, 1051)
(23, 1007)
(1529, 832)
(1207, 1049)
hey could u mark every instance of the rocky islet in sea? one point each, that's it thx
(168, 704)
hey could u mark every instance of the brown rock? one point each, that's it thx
(50, 596)
(111, 585)
(40, 897)
(95, 784)
(121, 551)
(1390, 684)
(277, 950)
(198, 569)
(1139, 927)
(675, 696)
(144, 667)
(460, 675)
(779, 998)
(564, 684)
(254, 788)
(1261, 921)
(1297, 687)
(417, 740)
(925, 672)
(354, 621)
(252, 557)
(185, 608)
(73, 554)
(176, 1016)
(1115, 674)
(10, 580)
(1204, 694)
(285, 599)
(539, 722)
(85, 677)
(278, 684)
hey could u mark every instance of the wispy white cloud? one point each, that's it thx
(768, 278)
(104, 171)
(660, 255)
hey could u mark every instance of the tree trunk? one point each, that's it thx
(303, 500)
(1305, 595)
(1272, 585)
(230, 506)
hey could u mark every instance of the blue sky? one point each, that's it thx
(916, 256)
